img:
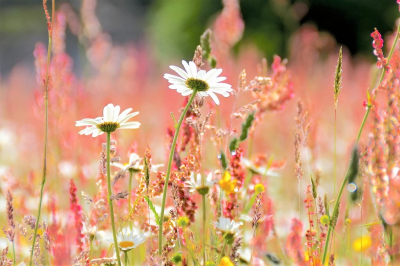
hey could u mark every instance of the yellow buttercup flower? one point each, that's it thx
(227, 184)
(362, 243)
(225, 261)
(259, 188)
(324, 219)
(183, 221)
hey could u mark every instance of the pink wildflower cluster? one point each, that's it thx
(77, 210)
(377, 43)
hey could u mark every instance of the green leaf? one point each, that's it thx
(314, 188)
(246, 126)
(222, 158)
(353, 171)
(151, 206)
(234, 144)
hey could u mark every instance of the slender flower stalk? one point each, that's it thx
(171, 157)
(46, 103)
(130, 208)
(112, 120)
(110, 203)
(129, 196)
(369, 106)
(190, 82)
(222, 251)
(337, 87)
(204, 227)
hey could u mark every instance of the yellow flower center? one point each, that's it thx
(259, 188)
(203, 190)
(183, 221)
(126, 244)
(108, 126)
(197, 84)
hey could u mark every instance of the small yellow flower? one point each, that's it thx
(361, 244)
(225, 261)
(259, 188)
(306, 256)
(39, 231)
(324, 219)
(183, 221)
(227, 184)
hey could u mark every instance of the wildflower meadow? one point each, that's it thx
(218, 159)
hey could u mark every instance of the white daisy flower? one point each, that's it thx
(129, 240)
(228, 227)
(202, 186)
(110, 121)
(134, 164)
(205, 83)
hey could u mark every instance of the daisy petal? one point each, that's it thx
(187, 93)
(108, 112)
(130, 125)
(188, 69)
(123, 114)
(214, 97)
(212, 74)
(126, 118)
(181, 73)
(173, 77)
(116, 113)
(193, 67)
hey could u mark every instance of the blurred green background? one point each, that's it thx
(171, 28)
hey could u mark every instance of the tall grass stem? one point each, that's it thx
(46, 103)
(171, 157)
(330, 231)
(110, 203)
(204, 228)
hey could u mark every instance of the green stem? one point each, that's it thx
(249, 176)
(347, 252)
(126, 258)
(129, 196)
(14, 251)
(358, 138)
(110, 203)
(46, 103)
(251, 202)
(204, 228)
(90, 247)
(222, 252)
(171, 156)
(334, 159)
(129, 200)
(334, 173)
(337, 202)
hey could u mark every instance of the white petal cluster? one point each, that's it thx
(128, 240)
(111, 114)
(210, 78)
(136, 166)
(197, 183)
(227, 225)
